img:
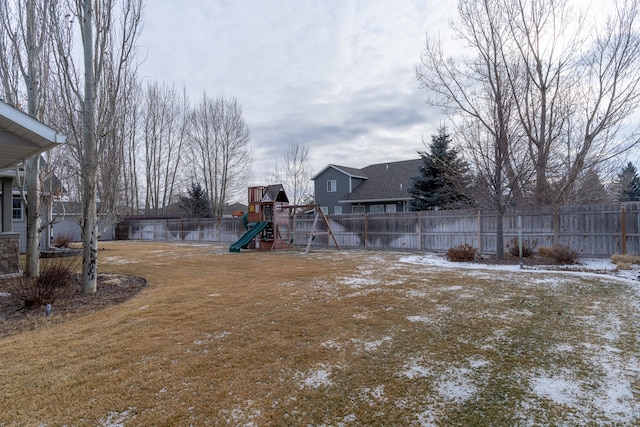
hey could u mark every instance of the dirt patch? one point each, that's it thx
(112, 289)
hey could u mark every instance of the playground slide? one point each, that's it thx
(248, 237)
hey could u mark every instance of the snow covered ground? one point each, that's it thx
(612, 397)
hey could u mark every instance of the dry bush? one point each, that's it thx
(57, 278)
(563, 254)
(63, 241)
(621, 265)
(545, 251)
(462, 253)
(528, 247)
(625, 261)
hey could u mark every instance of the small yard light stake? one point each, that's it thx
(47, 310)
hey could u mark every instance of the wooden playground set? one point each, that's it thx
(270, 223)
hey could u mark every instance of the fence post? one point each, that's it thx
(623, 230)
(556, 227)
(479, 227)
(366, 224)
(419, 232)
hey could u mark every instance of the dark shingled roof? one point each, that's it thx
(385, 182)
(275, 193)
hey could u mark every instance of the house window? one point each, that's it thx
(376, 209)
(391, 208)
(17, 209)
(337, 210)
(331, 186)
(325, 210)
(357, 209)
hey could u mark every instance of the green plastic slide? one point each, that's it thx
(248, 237)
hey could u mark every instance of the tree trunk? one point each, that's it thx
(89, 160)
(500, 236)
(32, 165)
(32, 268)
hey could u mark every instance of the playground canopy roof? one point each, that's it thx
(275, 193)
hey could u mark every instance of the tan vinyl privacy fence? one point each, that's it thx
(590, 230)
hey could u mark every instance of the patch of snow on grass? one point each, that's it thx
(426, 419)
(117, 419)
(332, 345)
(478, 363)
(456, 386)
(316, 378)
(414, 370)
(593, 267)
(358, 282)
(374, 345)
(557, 388)
(119, 261)
(245, 417)
(422, 319)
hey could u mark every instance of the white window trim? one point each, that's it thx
(331, 186)
(14, 209)
(337, 210)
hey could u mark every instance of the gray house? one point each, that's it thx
(373, 189)
(21, 136)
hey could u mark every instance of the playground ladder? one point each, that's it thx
(320, 233)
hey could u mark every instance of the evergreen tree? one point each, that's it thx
(628, 184)
(196, 203)
(442, 182)
(590, 190)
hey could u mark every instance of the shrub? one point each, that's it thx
(625, 259)
(528, 247)
(545, 251)
(562, 254)
(63, 241)
(57, 279)
(461, 253)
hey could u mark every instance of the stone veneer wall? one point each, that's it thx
(9, 253)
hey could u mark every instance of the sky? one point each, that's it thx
(337, 75)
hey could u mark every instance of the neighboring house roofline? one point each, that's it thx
(351, 172)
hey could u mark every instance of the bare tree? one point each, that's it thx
(552, 92)
(476, 91)
(294, 173)
(24, 69)
(571, 105)
(220, 152)
(165, 121)
(91, 88)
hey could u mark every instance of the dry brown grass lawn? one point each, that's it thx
(328, 338)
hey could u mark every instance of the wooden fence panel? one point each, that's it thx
(591, 230)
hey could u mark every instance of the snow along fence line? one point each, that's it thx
(597, 231)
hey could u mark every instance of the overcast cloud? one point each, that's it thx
(339, 75)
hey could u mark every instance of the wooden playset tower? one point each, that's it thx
(269, 205)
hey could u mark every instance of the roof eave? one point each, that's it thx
(397, 199)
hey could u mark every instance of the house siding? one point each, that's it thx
(332, 199)
(381, 186)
